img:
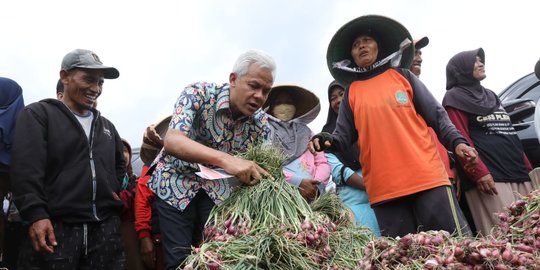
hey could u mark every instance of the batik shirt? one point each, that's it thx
(202, 112)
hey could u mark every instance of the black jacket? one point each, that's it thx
(58, 173)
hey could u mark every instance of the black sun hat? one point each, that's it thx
(304, 100)
(393, 39)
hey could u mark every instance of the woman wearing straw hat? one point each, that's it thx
(387, 111)
(291, 108)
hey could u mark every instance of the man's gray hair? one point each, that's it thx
(260, 58)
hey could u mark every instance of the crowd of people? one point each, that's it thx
(401, 161)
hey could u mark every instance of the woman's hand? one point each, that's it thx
(309, 189)
(487, 185)
(468, 154)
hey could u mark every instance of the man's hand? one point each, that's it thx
(248, 172)
(148, 252)
(42, 236)
(487, 185)
(468, 154)
(308, 189)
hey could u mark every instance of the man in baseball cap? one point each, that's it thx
(67, 171)
(416, 66)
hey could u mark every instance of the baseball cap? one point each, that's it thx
(421, 43)
(81, 58)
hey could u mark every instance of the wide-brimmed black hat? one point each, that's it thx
(304, 100)
(389, 34)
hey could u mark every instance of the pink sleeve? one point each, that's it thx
(288, 175)
(322, 168)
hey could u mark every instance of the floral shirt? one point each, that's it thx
(202, 113)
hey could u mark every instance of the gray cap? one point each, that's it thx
(80, 58)
(421, 43)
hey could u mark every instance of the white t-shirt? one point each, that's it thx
(86, 122)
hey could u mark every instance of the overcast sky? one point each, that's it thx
(161, 46)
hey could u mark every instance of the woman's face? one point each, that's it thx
(127, 156)
(283, 107)
(479, 71)
(364, 51)
(335, 98)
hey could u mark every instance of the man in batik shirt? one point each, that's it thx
(209, 123)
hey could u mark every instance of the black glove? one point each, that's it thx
(323, 138)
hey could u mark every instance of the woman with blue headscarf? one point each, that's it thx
(11, 102)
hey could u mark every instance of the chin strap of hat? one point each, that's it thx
(394, 58)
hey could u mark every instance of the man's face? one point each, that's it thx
(249, 92)
(416, 66)
(364, 51)
(82, 87)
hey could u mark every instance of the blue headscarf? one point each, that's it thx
(11, 102)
